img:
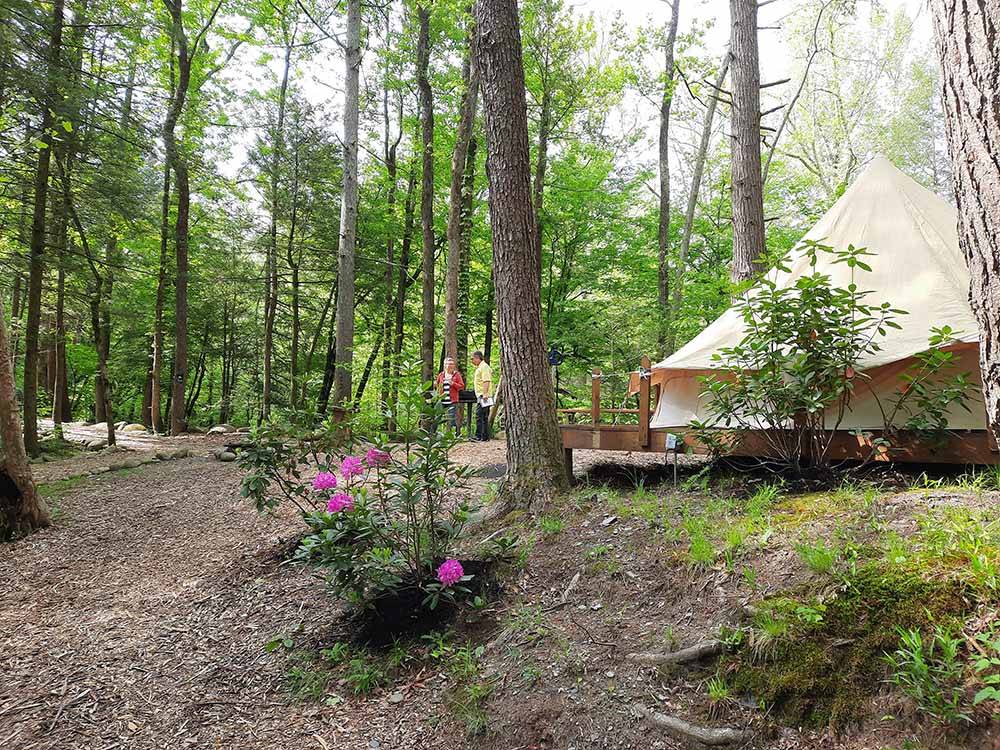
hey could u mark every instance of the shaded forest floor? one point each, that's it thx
(158, 612)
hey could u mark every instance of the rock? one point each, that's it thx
(181, 453)
(396, 697)
(221, 429)
(227, 457)
(97, 445)
(130, 463)
(609, 520)
(164, 455)
(121, 425)
(134, 428)
(100, 426)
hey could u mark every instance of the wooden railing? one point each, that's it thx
(595, 411)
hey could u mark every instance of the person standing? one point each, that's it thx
(449, 384)
(483, 383)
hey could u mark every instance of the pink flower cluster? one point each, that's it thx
(376, 458)
(324, 481)
(340, 501)
(351, 466)
(450, 572)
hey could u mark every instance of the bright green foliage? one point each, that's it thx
(929, 671)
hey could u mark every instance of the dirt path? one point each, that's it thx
(141, 620)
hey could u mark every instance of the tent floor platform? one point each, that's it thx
(957, 447)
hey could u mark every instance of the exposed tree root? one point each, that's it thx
(705, 735)
(692, 653)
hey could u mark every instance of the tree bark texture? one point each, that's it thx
(21, 508)
(344, 356)
(967, 34)
(747, 187)
(427, 329)
(463, 137)
(534, 446)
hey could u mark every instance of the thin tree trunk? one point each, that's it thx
(366, 374)
(542, 164)
(692, 205)
(463, 138)
(966, 34)
(534, 446)
(468, 206)
(427, 322)
(271, 298)
(747, 187)
(21, 508)
(491, 298)
(38, 238)
(155, 411)
(145, 415)
(349, 211)
(663, 235)
(401, 289)
(59, 346)
(294, 263)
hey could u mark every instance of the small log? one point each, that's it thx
(714, 737)
(691, 653)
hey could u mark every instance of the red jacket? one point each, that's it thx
(457, 384)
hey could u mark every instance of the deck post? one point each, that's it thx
(644, 378)
(568, 463)
(595, 396)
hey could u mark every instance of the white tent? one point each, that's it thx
(917, 267)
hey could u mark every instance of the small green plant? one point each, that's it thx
(762, 500)
(364, 676)
(306, 683)
(988, 668)
(468, 702)
(597, 551)
(464, 663)
(818, 556)
(717, 689)
(337, 654)
(930, 672)
(551, 525)
(810, 614)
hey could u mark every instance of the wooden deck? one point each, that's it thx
(958, 447)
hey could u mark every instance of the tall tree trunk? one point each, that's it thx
(21, 508)
(663, 235)
(178, 163)
(145, 414)
(271, 298)
(390, 149)
(534, 446)
(427, 323)
(692, 205)
(468, 206)
(491, 300)
(344, 358)
(38, 238)
(466, 123)
(747, 187)
(966, 34)
(294, 261)
(403, 285)
(366, 374)
(59, 388)
(155, 411)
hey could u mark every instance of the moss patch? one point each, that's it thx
(823, 673)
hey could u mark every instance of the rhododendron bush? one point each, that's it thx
(381, 518)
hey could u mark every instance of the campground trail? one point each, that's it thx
(141, 621)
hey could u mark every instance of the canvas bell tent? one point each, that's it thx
(916, 266)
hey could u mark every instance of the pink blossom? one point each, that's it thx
(340, 501)
(351, 466)
(324, 481)
(450, 572)
(375, 458)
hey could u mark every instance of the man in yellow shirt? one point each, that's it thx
(482, 381)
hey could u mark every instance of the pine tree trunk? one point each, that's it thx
(747, 187)
(463, 137)
(427, 322)
(966, 34)
(390, 153)
(344, 356)
(21, 508)
(534, 447)
(38, 238)
(663, 235)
